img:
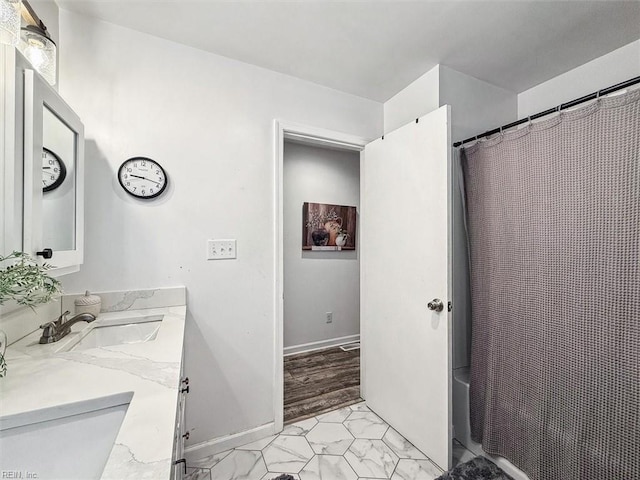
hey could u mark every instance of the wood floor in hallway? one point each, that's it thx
(320, 381)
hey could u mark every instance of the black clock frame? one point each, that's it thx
(143, 197)
(63, 172)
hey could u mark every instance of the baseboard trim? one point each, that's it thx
(322, 344)
(207, 448)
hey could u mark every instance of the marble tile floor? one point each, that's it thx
(351, 443)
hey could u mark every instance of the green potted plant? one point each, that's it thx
(26, 282)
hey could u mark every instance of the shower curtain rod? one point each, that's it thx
(562, 106)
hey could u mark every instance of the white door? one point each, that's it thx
(406, 374)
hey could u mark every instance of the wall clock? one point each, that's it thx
(53, 170)
(142, 177)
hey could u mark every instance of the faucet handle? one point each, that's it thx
(49, 333)
(62, 319)
(49, 328)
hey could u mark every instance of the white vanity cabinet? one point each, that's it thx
(42, 160)
(180, 435)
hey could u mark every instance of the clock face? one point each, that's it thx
(142, 177)
(53, 170)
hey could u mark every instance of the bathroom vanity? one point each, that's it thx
(107, 400)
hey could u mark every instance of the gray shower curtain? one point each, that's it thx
(554, 233)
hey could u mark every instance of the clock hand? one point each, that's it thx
(46, 168)
(144, 178)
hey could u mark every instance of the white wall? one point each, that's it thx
(209, 121)
(318, 282)
(415, 100)
(605, 71)
(476, 106)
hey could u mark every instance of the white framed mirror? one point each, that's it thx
(58, 183)
(53, 177)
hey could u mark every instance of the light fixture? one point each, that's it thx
(40, 50)
(10, 21)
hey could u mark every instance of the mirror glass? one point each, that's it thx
(58, 183)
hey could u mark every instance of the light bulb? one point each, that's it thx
(35, 54)
(40, 51)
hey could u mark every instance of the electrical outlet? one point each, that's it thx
(329, 317)
(221, 249)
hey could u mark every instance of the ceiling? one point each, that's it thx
(374, 49)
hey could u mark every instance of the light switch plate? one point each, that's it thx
(221, 249)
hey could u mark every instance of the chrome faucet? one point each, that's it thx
(60, 328)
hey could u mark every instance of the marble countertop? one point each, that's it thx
(43, 376)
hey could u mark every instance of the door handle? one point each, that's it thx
(436, 305)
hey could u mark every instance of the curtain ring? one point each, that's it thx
(529, 118)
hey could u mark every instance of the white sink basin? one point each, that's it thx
(71, 441)
(121, 331)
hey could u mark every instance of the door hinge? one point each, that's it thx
(449, 306)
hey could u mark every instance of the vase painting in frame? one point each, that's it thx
(327, 227)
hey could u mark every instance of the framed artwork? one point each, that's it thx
(328, 227)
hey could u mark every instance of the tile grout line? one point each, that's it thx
(304, 432)
(308, 461)
(351, 466)
(394, 469)
(264, 462)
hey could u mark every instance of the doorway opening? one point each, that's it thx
(317, 289)
(321, 197)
